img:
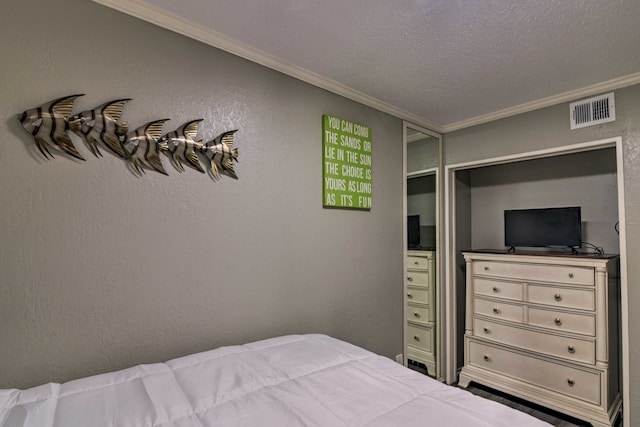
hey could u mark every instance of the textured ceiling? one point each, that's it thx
(446, 61)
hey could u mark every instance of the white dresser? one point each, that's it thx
(545, 328)
(421, 309)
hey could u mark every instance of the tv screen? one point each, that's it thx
(413, 231)
(543, 227)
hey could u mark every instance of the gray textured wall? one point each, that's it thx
(547, 128)
(587, 179)
(102, 270)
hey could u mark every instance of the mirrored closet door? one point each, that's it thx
(423, 327)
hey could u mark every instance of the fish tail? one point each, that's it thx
(234, 154)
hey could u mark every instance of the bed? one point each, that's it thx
(294, 380)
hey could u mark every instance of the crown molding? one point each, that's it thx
(146, 12)
(169, 21)
(573, 95)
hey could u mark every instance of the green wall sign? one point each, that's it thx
(346, 166)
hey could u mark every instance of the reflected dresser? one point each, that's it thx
(420, 309)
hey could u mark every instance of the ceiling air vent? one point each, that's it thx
(592, 111)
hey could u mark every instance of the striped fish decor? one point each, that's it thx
(180, 145)
(101, 124)
(221, 155)
(49, 125)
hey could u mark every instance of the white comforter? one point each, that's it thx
(297, 380)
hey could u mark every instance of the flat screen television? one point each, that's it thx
(413, 231)
(543, 227)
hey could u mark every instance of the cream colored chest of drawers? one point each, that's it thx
(421, 309)
(545, 328)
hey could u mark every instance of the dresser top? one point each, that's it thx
(541, 254)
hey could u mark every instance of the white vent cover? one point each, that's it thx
(592, 111)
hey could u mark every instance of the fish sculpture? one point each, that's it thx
(221, 153)
(180, 145)
(141, 145)
(48, 125)
(101, 124)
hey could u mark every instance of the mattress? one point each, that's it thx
(295, 380)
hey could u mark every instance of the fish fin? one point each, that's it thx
(93, 145)
(190, 129)
(42, 146)
(63, 141)
(214, 170)
(224, 137)
(154, 128)
(176, 162)
(234, 154)
(155, 162)
(192, 158)
(113, 109)
(227, 137)
(113, 143)
(138, 166)
(227, 168)
(63, 106)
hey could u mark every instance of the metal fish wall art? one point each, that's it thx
(49, 125)
(142, 146)
(101, 124)
(221, 153)
(180, 145)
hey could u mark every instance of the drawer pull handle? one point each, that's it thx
(416, 314)
(486, 268)
(495, 289)
(486, 358)
(571, 349)
(558, 321)
(417, 263)
(557, 297)
(410, 279)
(571, 382)
(571, 275)
(409, 295)
(496, 310)
(416, 338)
(486, 330)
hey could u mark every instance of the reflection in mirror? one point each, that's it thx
(423, 328)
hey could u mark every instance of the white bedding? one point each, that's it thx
(296, 380)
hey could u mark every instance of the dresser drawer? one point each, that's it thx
(579, 350)
(562, 321)
(583, 299)
(418, 314)
(499, 310)
(570, 381)
(420, 278)
(535, 272)
(419, 295)
(417, 262)
(420, 337)
(498, 289)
